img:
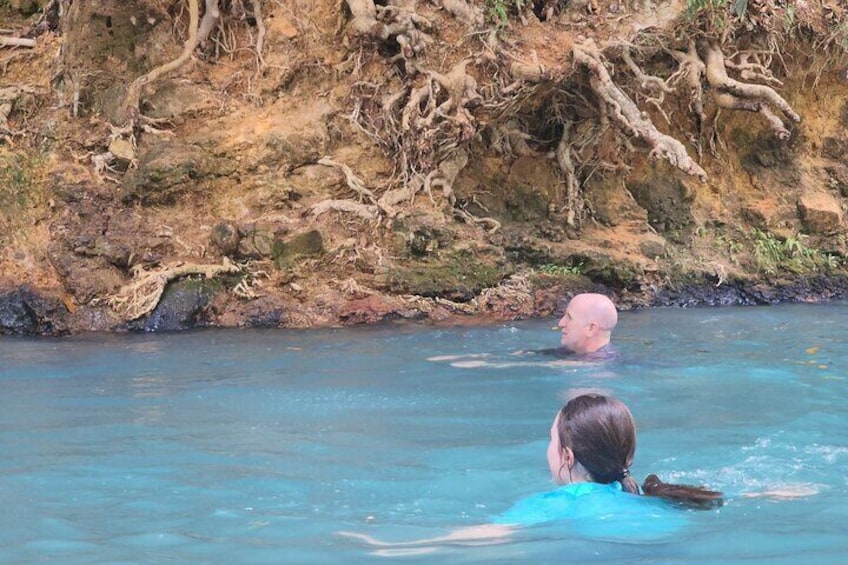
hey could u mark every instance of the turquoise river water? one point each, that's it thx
(258, 446)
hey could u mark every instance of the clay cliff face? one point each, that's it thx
(301, 163)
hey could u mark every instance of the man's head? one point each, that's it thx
(588, 323)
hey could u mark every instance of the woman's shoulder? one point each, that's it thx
(597, 511)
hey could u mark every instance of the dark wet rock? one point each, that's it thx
(705, 292)
(286, 252)
(521, 247)
(257, 239)
(175, 98)
(821, 213)
(265, 318)
(652, 249)
(531, 189)
(117, 253)
(225, 236)
(667, 200)
(266, 311)
(85, 278)
(25, 312)
(181, 306)
(169, 169)
(422, 233)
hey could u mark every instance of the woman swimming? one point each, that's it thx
(591, 449)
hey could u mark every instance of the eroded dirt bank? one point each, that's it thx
(303, 163)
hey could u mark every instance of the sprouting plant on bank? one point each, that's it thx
(498, 11)
(17, 180)
(791, 254)
(560, 270)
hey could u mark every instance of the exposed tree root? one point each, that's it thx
(734, 95)
(490, 224)
(211, 17)
(8, 96)
(260, 36)
(627, 115)
(16, 41)
(690, 72)
(467, 13)
(397, 19)
(132, 97)
(142, 295)
(365, 211)
(512, 297)
(566, 164)
(353, 182)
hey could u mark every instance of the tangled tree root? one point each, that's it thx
(397, 19)
(364, 211)
(133, 95)
(142, 295)
(512, 298)
(8, 96)
(734, 95)
(627, 115)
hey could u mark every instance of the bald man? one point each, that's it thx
(587, 325)
(586, 329)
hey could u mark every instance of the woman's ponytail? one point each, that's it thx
(628, 483)
(685, 495)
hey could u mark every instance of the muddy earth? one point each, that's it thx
(169, 164)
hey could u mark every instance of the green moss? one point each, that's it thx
(304, 244)
(458, 277)
(18, 174)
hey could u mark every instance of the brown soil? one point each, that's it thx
(242, 158)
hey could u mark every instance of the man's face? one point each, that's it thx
(575, 329)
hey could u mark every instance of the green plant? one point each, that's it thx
(695, 7)
(17, 180)
(789, 20)
(732, 246)
(792, 254)
(560, 270)
(499, 10)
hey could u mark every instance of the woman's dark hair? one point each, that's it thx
(602, 434)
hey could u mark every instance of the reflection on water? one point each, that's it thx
(256, 446)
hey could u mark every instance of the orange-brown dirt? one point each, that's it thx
(240, 158)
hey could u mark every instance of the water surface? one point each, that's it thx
(256, 446)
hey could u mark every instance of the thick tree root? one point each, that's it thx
(16, 41)
(573, 204)
(211, 17)
(8, 96)
(690, 72)
(133, 95)
(142, 295)
(397, 19)
(365, 211)
(353, 182)
(627, 115)
(734, 95)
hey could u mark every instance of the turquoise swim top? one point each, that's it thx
(598, 511)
